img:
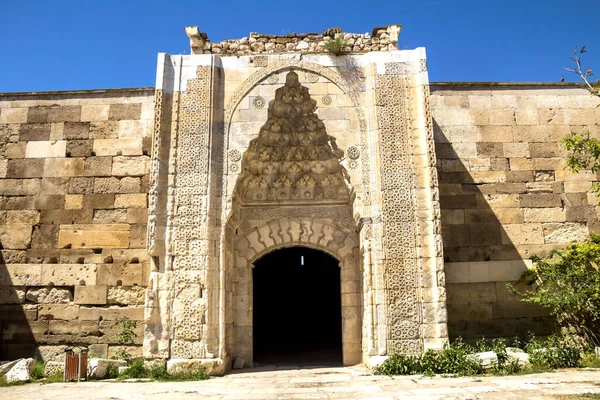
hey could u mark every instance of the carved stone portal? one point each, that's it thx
(234, 179)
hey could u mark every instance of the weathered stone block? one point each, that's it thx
(137, 215)
(49, 295)
(125, 111)
(108, 315)
(58, 311)
(98, 166)
(15, 115)
(94, 236)
(90, 295)
(63, 167)
(565, 232)
(81, 185)
(540, 200)
(76, 130)
(25, 168)
(98, 201)
(98, 367)
(130, 166)
(21, 371)
(118, 147)
(52, 202)
(55, 186)
(580, 214)
(45, 236)
(19, 187)
(73, 202)
(68, 274)
(79, 148)
(544, 215)
(103, 130)
(522, 234)
(214, 367)
(94, 112)
(107, 185)
(15, 236)
(137, 200)
(43, 149)
(54, 368)
(126, 295)
(32, 132)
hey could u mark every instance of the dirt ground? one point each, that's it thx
(324, 383)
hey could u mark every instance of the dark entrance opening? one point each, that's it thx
(297, 310)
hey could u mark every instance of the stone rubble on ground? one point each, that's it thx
(21, 371)
(53, 367)
(98, 367)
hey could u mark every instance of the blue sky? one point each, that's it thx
(84, 44)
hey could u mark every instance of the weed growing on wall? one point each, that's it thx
(125, 336)
(337, 46)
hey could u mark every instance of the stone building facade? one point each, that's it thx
(156, 204)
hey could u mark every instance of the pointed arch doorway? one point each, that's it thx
(297, 314)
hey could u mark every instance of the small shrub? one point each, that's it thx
(590, 360)
(4, 382)
(555, 352)
(113, 372)
(198, 375)
(135, 371)
(337, 46)
(55, 377)
(38, 371)
(453, 359)
(158, 372)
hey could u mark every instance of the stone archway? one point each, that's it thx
(339, 242)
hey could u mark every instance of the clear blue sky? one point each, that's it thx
(84, 44)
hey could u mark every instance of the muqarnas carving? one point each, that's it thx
(293, 159)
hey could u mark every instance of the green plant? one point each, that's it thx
(584, 151)
(555, 352)
(483, 345)
(568, 284)
(135, 371)
(199, 374)
(590, 360)
(159, 372)
(453, 359)
(113, 372)
(38, 371)
(337, 46)
(4, 382)
(125, 336)
(55, 377)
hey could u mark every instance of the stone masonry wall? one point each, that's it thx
(381, 39)
(505, 194)
(73, 215)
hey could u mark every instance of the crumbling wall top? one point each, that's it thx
(381, 39)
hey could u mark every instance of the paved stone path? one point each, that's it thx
(322, 383)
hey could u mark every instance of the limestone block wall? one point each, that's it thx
(73, 214)
(380, 39)
(505, 194)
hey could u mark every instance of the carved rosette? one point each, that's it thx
(293, 159)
